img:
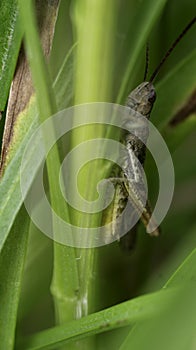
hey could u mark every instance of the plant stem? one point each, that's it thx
(95, 25)
(64, 284)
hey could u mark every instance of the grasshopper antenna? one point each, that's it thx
(189, 25)
(147, 61)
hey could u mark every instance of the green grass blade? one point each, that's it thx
(10, 40)
(120, 315)
(36, 286)
(26, 124)
(178, 254)
(147, 14)
(63, 82)
(40, 75)
(174, 90)
(174, 136)
(114, 317)
(10, 193)
(185, 274)
(11, 270)
(65, 277)
(175, 327)
(144, 313)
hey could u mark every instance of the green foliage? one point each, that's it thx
(98, 55)
(11, 268)
(151, 310)
(10, 41)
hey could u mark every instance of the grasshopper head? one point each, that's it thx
(142, 98)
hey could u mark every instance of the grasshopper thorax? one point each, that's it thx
(142, 98)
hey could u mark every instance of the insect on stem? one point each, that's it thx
(130, 187)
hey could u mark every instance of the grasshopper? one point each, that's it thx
(129, 186)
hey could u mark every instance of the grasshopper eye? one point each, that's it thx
(152, 96)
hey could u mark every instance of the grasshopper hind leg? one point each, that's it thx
(114, 215)
(129, 240)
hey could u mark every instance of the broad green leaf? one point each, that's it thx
(10, 41)
(12, 260)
